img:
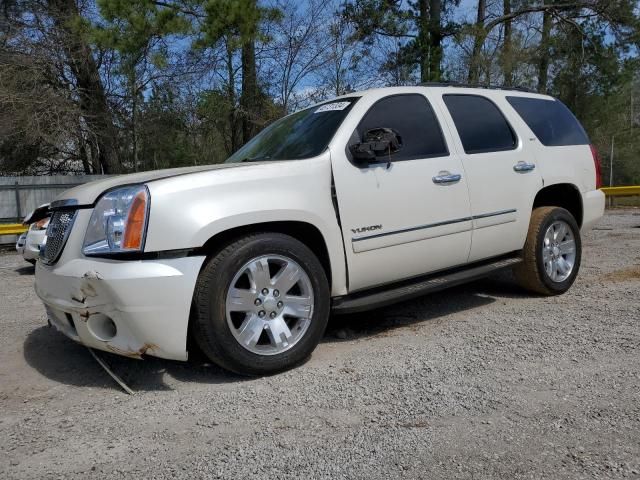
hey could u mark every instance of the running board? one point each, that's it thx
(397, 292)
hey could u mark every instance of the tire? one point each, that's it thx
(248, 338)
(545, 268)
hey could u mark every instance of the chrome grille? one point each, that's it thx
(57, 234)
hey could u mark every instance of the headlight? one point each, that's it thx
(118, 222)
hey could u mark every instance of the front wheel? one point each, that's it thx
(552, 252)
(261, 304)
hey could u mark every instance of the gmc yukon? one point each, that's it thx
(355, 203)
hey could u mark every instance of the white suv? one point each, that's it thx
(355, 203)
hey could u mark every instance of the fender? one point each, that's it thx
(570, 165)
(187, 211)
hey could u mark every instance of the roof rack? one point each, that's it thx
(470, 85)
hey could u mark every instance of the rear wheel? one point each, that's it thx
(261, 304)
(552, 252)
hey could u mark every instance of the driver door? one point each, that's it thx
(407, 213)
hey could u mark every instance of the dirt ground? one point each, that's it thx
(481, 381)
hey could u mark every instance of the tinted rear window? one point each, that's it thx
(480, 124)
(550, 120)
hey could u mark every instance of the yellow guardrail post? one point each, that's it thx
(12, 229)
(621, 191)
(613, 192)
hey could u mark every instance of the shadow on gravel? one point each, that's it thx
(62, 360)
(26, 270)
(414, 313)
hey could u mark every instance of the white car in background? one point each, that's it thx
(30, 242)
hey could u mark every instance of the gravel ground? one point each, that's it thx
(481, 381)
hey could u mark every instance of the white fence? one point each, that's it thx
(20, 195)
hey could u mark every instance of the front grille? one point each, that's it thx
(57, 234)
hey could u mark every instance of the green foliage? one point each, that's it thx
(129, 27)
(129, 24)
(218, 117)
(236, 19)
(169, 136)
(379, 17)
(418, 28)
(614, 117)
(388, 20)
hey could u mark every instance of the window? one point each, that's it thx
(303, 134)
(480, 124)
(413, 118)
(550, 120)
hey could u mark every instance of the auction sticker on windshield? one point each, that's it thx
(332, 107)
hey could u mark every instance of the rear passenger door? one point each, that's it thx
(500, 167)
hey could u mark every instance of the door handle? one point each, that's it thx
(523, 167)
(446, 177)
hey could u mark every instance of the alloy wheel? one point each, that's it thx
(269, 304)
(559, 251)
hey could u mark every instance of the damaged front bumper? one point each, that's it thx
(129, 308)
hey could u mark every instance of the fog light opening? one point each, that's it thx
(72, 324)
(102, 327)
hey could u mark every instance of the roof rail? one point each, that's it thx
(470, 85)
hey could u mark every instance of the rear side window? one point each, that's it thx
(413, 118)
(480, 124)
(550, 120)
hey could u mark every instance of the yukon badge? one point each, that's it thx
(370, 228)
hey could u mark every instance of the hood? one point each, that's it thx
(88, 193)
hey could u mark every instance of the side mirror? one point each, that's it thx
(362, 153)
(376, 142)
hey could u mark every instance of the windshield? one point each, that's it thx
(303, 134)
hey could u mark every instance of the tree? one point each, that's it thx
(299, 48)
(349, 66)
(478, 42)
(507, 46)
(239, 22)
(92, 98)
(166, 133)
(46, 49)
(432, 44)
(417, 28)
(612, 12)
(36, 111)
(543, 62)
(135, 30)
